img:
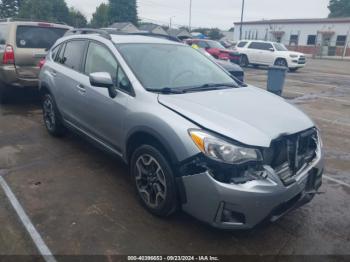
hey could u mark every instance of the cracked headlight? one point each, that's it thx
(223, 151)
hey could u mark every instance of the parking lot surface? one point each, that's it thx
(82, 201)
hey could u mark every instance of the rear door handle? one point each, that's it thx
(81, 88)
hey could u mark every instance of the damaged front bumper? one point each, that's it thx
(243, 206)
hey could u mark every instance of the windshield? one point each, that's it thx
(159, 66)
(214, 44)
(280, 47)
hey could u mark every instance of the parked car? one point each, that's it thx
(268, 54)
(228, 154)
(234, 69)
(216, 49)
(22, 45)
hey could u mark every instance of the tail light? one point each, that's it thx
(9, 56)
(41, 62)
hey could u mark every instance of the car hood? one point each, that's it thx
(294, 53)
(248, 115)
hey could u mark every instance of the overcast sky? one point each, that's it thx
(216, 13)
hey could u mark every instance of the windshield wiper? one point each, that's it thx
(166, 90)
(209, 87)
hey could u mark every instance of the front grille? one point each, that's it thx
(290, 154)
(302, 60)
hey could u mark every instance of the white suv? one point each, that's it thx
(269, 53)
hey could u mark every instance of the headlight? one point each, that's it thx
(293, 56)
(221, 150)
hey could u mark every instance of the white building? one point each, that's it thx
(324, 36)
(153, 28)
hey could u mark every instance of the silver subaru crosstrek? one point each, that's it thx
(195, 139)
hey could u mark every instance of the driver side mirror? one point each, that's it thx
(104, 80)
(271, 49)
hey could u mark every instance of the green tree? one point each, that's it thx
(123, 11)
(339, 8)
(101, 16)
(77, 19)
(215, 34)
(52, 10)
(9, 8)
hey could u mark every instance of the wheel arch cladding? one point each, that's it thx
(150, 137)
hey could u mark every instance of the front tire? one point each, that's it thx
(52, 119)
(281, 62)
(154, 181)
(244, 61)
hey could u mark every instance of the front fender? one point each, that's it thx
(169, 128)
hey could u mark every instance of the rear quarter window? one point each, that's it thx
(242, 44)
(3, 34)
(38, 37)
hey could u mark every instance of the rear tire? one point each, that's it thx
(52, 118)
(154, 181)
(244, 61)
(4, 94)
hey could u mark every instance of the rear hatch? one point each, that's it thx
(32, 44)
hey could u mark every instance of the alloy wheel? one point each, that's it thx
(49, 113)
(150, 181)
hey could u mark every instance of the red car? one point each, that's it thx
(216, 49)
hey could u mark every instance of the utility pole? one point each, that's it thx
(242, 17)
(190, 20)
(347, 42)
(171, 21)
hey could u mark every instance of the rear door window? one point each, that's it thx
(3, 34)
(38, 37)
(255, 45)
(73, 54)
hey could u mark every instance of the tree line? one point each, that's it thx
(106, 14)
(58, 11)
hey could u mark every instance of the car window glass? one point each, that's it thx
(3, 33)
(171, 66)
(255, 45)
(99, 59)
(202, 44)
(73, 54)
(60, 56)
(55, 51)
(266, 46)
(241, 44)
(37, 37)
(123, 82)
(214, 44)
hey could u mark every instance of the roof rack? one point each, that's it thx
(12, 19)
(86, 31)
(167, 37)
(107, 32)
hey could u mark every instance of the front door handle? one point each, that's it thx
(53, 73)
(81, 88)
